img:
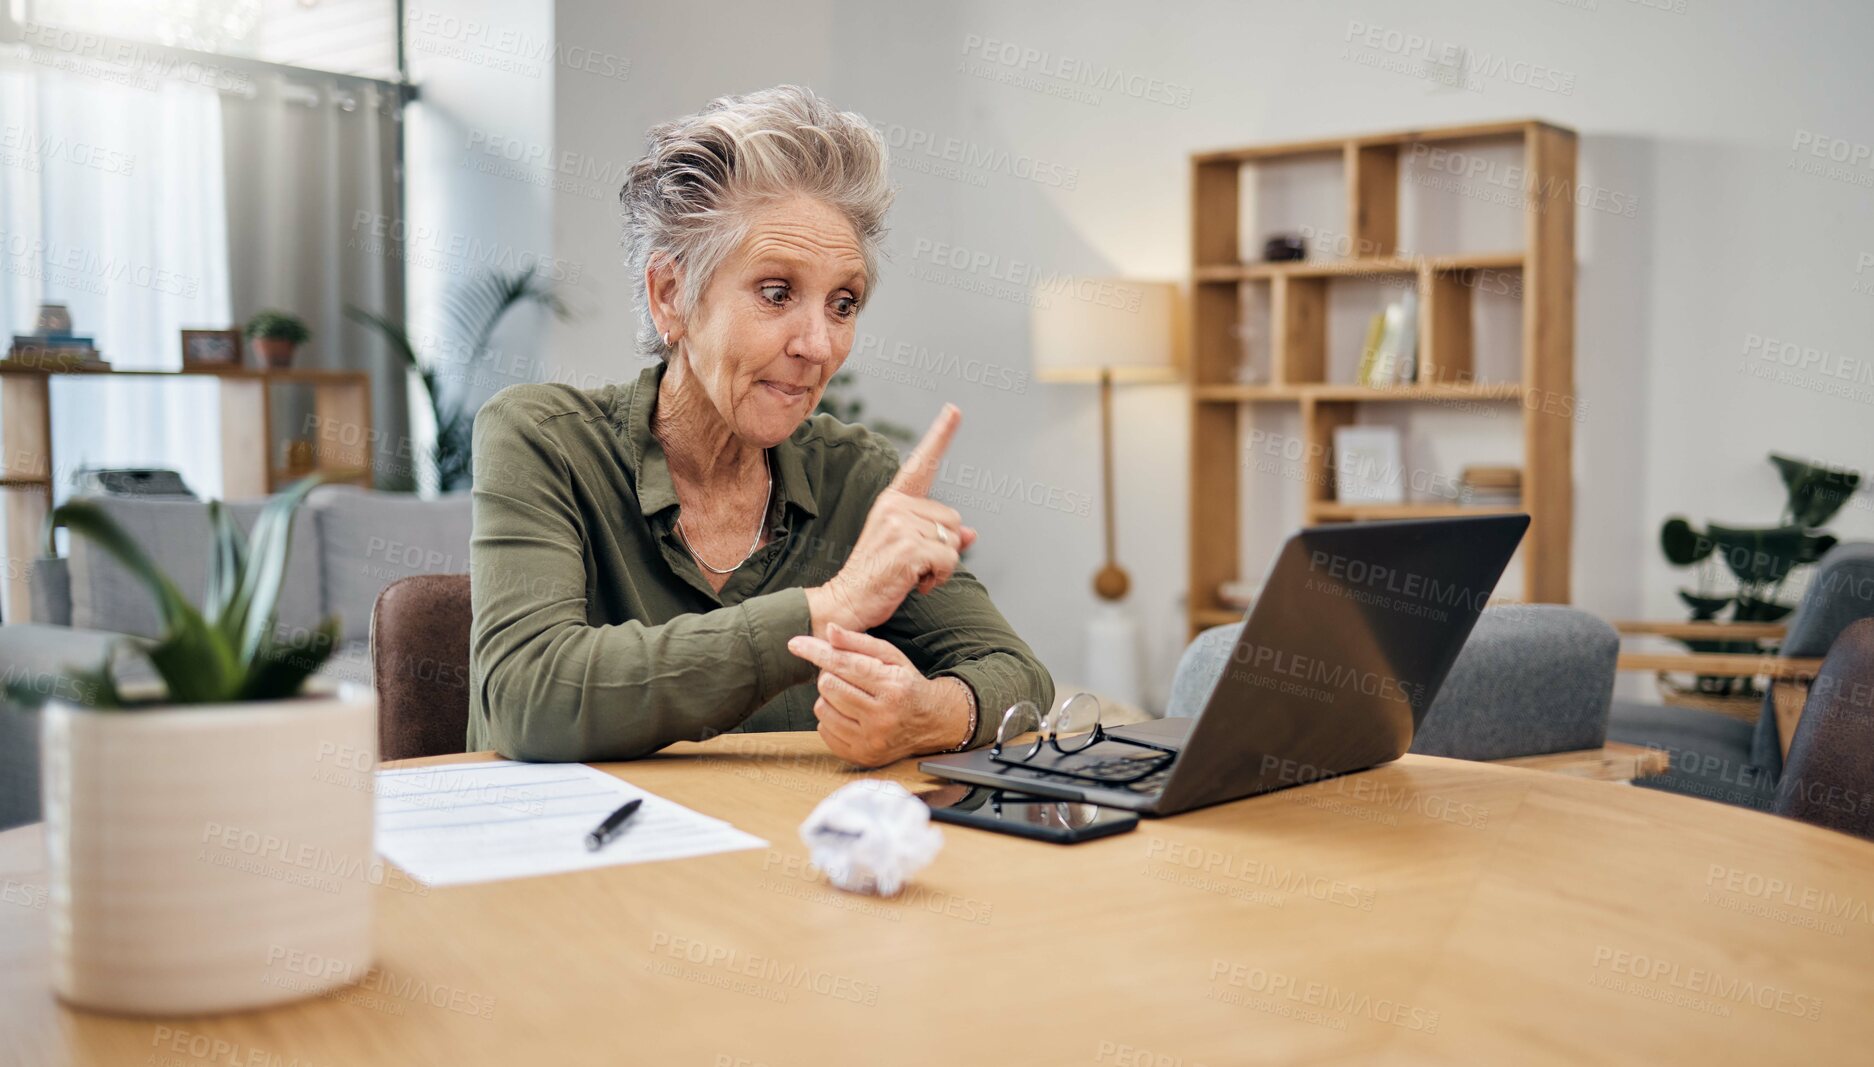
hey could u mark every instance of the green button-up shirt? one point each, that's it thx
(595, 635)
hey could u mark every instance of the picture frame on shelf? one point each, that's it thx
(1368, 465)
(212, 350)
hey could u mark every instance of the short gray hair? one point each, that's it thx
(686, 200)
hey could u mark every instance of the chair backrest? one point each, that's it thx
(1840, 592)
(420, 664)
(1829, 778)
(1531, 679)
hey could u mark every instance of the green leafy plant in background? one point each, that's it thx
(470, 313)
(279, 326)
(229, 650)
(1759, 559)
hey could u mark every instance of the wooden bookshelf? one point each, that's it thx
(1297, 342)
(341, 402)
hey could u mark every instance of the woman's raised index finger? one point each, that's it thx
(919, 470)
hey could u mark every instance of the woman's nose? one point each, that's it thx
(812, 340)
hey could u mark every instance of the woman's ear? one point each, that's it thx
(663, 280)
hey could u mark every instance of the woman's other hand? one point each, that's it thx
(874, 707)
(909, 542)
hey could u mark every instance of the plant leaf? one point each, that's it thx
(224, 567)
(197, 662)
(258, 599)
(282, 667)
(392, 332)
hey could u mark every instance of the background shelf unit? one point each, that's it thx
(341, 402)
(1298, 363)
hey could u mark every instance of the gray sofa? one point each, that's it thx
(1531, 679)
(348, 544)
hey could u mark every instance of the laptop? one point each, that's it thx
(1354, 631)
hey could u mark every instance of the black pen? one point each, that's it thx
(613, 823)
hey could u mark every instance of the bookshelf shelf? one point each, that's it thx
(1490, 392)
(1539, 277)
(1380, 266)
(1330, 512)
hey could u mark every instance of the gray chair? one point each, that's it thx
(1735, 762)
(1531, 679)
(1829, 780)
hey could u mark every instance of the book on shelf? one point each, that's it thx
(1369, 351)
(1393, 359)
(42, 357)
(52, 339)
(1492, 486)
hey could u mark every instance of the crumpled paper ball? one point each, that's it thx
(871, 836)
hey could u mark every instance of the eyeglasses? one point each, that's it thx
(1071, 729)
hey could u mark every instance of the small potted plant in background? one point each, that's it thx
(204, 834)
(278, 335)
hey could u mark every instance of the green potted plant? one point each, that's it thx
(471, 313)
(277, 334)
(204, 833)
(1759, 561)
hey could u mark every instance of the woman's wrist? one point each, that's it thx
(958, 714)
(826, 607)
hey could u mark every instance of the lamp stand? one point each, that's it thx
(1111, 582)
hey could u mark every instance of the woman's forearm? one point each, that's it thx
(569, 691)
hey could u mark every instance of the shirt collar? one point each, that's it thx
(657, 492)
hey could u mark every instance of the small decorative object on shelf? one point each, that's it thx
(301, 457)
(277, 335)
(1237, 594)
(1367, 465)
(211, 350)
(1285, 248)
(54, 318)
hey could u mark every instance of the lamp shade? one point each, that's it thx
(1128, 328)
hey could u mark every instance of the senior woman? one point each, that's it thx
(696, 551)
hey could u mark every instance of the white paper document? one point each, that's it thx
(480, 822)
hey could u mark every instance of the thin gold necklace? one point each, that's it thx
(761, 523)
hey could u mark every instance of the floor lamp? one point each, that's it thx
(1106, 331)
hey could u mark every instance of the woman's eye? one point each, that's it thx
(774, 294)
(845, 307)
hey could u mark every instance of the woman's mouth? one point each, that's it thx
(785, 391)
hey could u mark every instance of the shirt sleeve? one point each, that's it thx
(558, 689)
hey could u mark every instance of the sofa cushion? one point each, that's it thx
(371, 539)
(175, 535)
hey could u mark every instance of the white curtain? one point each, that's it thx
(312, 195)
(152, 206)
(112, 201)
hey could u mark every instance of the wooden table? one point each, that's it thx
(1429, 911)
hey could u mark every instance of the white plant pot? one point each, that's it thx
(210, 858)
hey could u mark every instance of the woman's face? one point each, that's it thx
(776, 321)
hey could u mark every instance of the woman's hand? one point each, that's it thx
(909, 542)
(874, 707)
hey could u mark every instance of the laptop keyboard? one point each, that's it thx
(1125, 766)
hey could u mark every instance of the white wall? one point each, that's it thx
(1688, 115)
(479, 189)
